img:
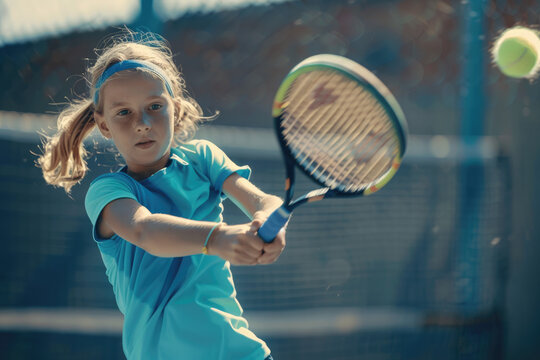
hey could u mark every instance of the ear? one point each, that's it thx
(102, 125)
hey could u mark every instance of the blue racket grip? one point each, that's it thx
(273, 224)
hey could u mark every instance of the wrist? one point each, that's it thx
(209, 243)
(260, 215)
(267, 207)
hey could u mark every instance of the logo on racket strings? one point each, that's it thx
(322, 95)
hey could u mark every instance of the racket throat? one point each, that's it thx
(312, 196)
(290, 180)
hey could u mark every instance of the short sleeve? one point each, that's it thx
(102, 191)
(218, 165)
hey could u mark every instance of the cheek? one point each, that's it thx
(166, 126)
(168, 121)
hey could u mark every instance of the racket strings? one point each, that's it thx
(341, 158)
(346, 153)
(382, 157)
(360, 146)
(329, 161)
(315, 126)
(378, 148)
(303, 104)
(344, 128)
(340, 168)
(365, 166)
(313, 130)
(312, 123)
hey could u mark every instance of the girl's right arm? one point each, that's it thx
(171, 236)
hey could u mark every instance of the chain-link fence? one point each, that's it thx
(417, 271)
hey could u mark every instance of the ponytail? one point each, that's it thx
(63, 161)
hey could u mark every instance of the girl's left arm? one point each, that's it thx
(258, 206)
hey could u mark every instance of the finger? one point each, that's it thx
(247, 246)
(268, 258)
(269, 255)
(272, 247)
(254, 242)
(252, 251)
(256, 224)
(273, 251)
(244, 258)
(276, 246)
(258, 221)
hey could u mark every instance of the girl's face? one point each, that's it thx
(138, 115)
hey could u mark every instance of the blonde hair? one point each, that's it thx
(63, 160)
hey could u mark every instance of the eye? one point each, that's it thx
(123, 112)
(155, 106)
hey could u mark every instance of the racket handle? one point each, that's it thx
(274, 223)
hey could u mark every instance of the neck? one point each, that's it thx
(140, 173)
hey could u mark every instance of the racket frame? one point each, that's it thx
(365, 78)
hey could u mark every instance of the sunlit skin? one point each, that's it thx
(138, 115)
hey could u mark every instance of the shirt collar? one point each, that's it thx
(177, 156)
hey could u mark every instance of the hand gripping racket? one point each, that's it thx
(338, 123)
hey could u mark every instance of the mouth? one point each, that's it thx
(145, 143)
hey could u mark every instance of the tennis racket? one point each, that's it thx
(341, 126)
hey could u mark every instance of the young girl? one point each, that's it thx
(157, 221)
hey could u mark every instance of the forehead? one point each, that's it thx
(131, 86)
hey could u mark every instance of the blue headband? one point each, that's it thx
(131, 64)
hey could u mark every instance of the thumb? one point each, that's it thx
(256, 223)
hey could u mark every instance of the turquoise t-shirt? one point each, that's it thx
(175, 308)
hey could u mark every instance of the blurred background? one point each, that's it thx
(442, 263)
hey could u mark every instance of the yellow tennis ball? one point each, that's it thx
(517, 52)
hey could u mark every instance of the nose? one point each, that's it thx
(144, 123)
